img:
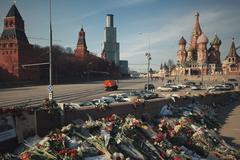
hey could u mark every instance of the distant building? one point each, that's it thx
(197, 59)
(15, 50)
(231, 64)
(164, 70)
(111, 46)
(124, 67)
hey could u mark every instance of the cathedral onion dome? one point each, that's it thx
(202, 39)
(182, 41)
(216, 41)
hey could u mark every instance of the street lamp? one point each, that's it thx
(148, 55)
(50, 87)
(178, 65)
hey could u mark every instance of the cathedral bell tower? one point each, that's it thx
(182, 53)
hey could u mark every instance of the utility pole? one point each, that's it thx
(50, 87)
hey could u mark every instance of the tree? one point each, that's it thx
(69, 50)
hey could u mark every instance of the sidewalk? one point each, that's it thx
(230, 118)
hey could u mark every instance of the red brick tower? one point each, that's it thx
(81, 50)
(14, 45)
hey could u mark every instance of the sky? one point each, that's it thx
(153, 26)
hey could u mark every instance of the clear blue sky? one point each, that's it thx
(160, 22)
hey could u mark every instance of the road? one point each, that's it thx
(34, 95)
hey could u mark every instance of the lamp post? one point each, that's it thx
(178, 64)
(148, 55)
(50, 87)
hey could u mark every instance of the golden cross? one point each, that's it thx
(14, 1)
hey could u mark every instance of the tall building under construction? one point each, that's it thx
(111, 46)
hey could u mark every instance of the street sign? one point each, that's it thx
(50, 96)
(50, 88)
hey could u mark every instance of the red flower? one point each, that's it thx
(25, 156)
(159, 137)
(177, 123)
(110, 118)
(176, 158)
(136, 122)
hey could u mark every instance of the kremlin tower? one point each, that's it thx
(15, 50)
(81, 50)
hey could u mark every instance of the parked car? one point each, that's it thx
(131, 95)
(189, 84)
(108, 99)
(150, 87)
(118, 97)
(171, 85)
(81, 104)
(86, 103)
(165, 89)
(148, 95)
(230, 85)
(182, 85)
(233, 81)
(195, 87)
(221, 87)
(97, 101)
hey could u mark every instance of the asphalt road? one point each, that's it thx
(34, 95)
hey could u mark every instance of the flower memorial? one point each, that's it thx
(187, 133)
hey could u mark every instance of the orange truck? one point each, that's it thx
(110, 85)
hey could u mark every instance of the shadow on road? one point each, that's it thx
(228, 117)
